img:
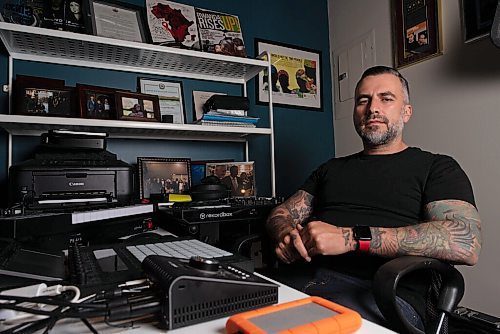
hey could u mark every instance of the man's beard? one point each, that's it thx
(373, 136)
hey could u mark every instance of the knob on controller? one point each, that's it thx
(202, 263)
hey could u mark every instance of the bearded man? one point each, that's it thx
(355, 213)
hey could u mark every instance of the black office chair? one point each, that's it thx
(445, 292)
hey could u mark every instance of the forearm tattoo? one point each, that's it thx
(287, 215)
(451, 232)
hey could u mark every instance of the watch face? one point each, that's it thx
(362, 233)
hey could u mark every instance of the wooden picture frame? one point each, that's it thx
(245, 176)
(116, 19)
(416, 31)
(295, 76)
(137, 107)
(42, 97)
(162, 176)
(477, 18)
(96, 102)
(170, 97)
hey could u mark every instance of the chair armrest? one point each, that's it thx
(388, 276)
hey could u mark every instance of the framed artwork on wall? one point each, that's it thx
(295, 76)
(416, 31)
(477, 18)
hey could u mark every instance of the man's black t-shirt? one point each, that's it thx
(382, 191)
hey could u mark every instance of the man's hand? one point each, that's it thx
(291, 247)
(322, 238)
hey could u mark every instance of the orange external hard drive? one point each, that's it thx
(312, 315)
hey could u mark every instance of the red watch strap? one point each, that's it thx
(364, 245)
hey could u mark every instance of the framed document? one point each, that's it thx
(116, 20)
(170, 96)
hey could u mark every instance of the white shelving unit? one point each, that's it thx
(67, 48)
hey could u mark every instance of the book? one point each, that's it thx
(229, 112)
(220, 123)
(220, 33)
(227, 118)
(172, 24)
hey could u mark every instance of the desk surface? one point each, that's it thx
(285, 293)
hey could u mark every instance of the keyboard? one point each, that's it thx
(97, 266)
(183, 249)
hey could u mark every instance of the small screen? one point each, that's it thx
(109, 261)
(292, 317)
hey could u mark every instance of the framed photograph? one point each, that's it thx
(137, 107)
(96, 102)
(199, 169)
(119, 20)
(170, 98)
(199, 99)
(42, 97)
(295, 76)
(237, 176)
(163, 176)
(477, 18)
(416, 29)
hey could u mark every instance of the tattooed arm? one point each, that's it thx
(286, 216)
(283, 226)
(451, 232)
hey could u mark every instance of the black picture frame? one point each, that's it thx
(296, 82)
(132, 20)
(96, 102)
(137, 107)
(416, 31)
(158, 176)
(477, 18)
(39, 96)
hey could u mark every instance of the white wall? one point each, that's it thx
(456, 100)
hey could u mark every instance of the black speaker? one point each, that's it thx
(467, 321)
(210, 189)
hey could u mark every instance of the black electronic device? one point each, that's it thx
(60, 138)
(57, 230)
(95, 267)
(71, 169)
(218, 221)
(197, 290)
(20, 264)
(466, 321)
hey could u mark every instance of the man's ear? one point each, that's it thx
(408, 111)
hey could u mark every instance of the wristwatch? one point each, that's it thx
(363, 235)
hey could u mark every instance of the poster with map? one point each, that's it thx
(172, 24)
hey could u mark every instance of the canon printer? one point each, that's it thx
(71, 169)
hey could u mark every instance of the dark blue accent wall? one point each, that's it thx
(303, 138)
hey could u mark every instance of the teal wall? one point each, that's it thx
(303, 138)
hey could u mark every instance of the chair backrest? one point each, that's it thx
(446, 291)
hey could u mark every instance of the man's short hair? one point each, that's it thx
(378, 70)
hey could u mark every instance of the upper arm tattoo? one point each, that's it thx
(295, 210)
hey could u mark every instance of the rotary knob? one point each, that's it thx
(202, 263)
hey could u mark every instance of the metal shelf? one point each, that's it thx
(35, 125)
(68, 48)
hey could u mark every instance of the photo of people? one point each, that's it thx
(73, 18)
(164, 176)
(239, 177)
(47, 102)
(135, 108)
(416, 39)
(99, 105)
